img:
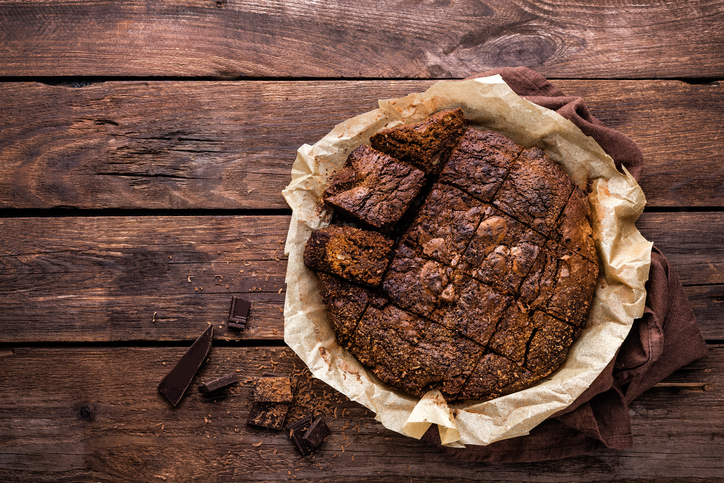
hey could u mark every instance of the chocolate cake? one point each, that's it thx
(458, 260)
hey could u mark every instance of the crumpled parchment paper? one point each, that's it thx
(616, 201)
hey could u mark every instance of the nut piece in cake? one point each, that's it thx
(445, 224)
(357, 255)
(502, 251)
(535, 192)
(480, 163)
(412, 353)
(561, 283)
(374, 188)
(426, 144)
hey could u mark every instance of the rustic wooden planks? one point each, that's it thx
(402, 39)
(93, 414)
(230, 145)
(155, 278)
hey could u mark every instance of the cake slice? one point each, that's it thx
(474, 310)
(346, 303)
(417, 284)
(427, 144)
(374, 188)
(573, 229)
(411, 353)
(354, 254)
(502, 251)
(495, 376)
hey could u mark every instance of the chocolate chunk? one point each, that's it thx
(239, 312)
(317, 432)
(296, 430)
(174, 385)
(273, 389)
(217, 384)
(268, 415)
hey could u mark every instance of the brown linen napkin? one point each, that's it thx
(663, 340)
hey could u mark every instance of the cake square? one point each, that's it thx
(535, 191)
(433, 355)
(351, 253)
(573, 229)
(475, 310)
(345, 302)
(502, 251)
(549, 344)
(415, 283)
(374, 188)
(495, 376)
(561, 283)
(445, 224)
(480, 163)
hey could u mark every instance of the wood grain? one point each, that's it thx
(156, 278)
(128, 432)
(401, 39)
(230, 145)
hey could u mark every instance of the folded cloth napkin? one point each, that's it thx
(663, 340)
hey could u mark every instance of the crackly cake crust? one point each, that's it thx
(492, 274)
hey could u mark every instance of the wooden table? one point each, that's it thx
(143, 148)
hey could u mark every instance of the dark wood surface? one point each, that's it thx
(143, 148)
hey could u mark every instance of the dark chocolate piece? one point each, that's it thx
(317, 432)
(273, 389)
(268, 415)
(239, 312)
(217, 384)
(296, 430)
(174, 385)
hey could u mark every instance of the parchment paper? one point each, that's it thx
(616, 201)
